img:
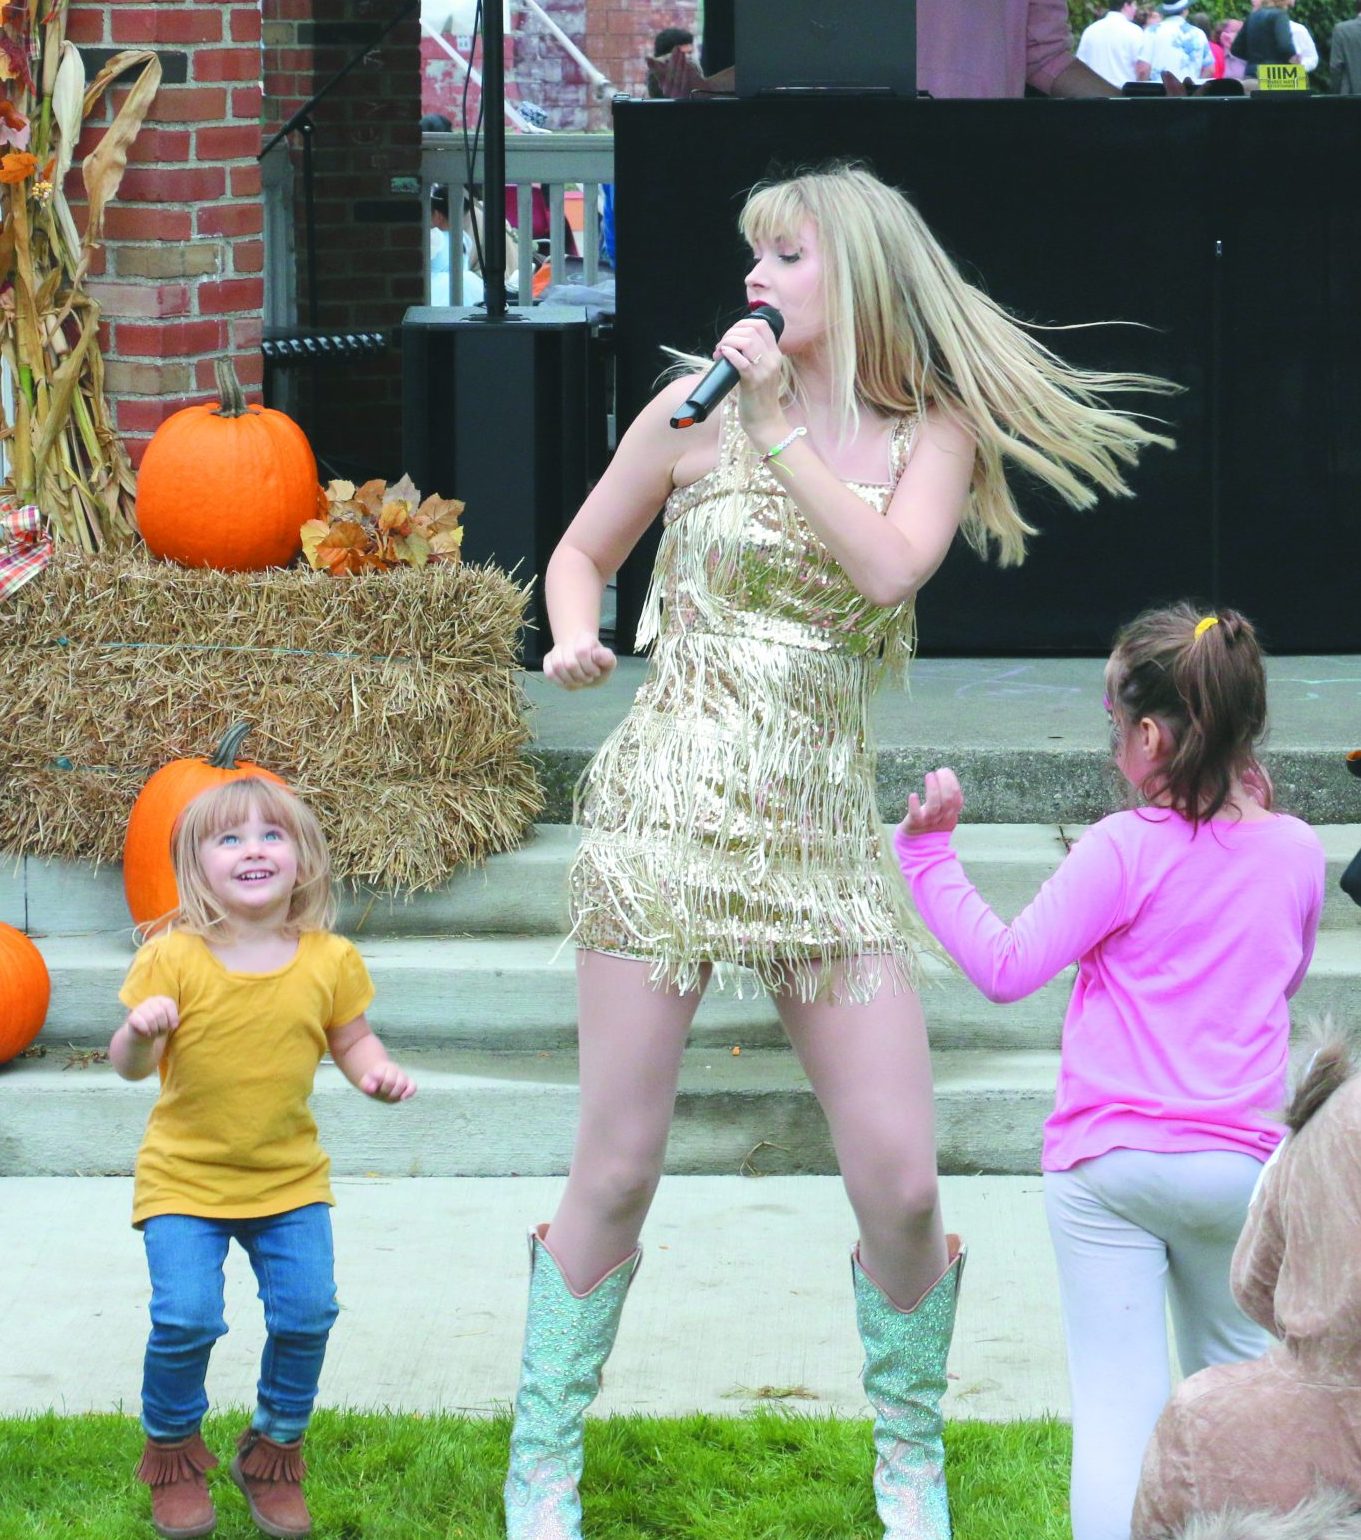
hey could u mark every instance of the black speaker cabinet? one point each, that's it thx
(510, 416)
(1210, 230)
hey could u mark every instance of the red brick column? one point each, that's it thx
(180, 276)
(366, 159)
(620, 35)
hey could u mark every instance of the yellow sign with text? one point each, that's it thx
(1282, 77)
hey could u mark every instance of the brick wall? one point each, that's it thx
(179, 277)
(369, 268)
(442, 79)
(620, 35)
(544, 72)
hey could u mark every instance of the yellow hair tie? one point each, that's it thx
(1202, 626)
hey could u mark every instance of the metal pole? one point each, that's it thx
(494, 176)
(309, 220)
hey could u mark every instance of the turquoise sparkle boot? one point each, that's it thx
(904, 1378)
(568, 1337)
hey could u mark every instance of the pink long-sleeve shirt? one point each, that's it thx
(991, 47)
(1177, 1033)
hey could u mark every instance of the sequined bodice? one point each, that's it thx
(738, 559)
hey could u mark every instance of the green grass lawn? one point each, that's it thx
(769, 1476)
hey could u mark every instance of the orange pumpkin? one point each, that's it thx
(227, 485)
(25, 990)
(148, 868)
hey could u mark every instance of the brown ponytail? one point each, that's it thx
(1199, 673)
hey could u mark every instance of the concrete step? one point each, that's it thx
(1028, 736)
(519, 993)
(523, 893)
(514, 1114)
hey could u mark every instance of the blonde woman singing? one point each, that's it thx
(730, 821)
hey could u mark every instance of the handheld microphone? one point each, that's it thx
(721, 378)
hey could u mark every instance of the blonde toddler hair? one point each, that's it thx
(312, 906)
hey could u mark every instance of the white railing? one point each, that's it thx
(553, 161)
(281, 266)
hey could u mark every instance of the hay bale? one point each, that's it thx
(391, 702)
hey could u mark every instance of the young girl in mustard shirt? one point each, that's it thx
(235, 1002)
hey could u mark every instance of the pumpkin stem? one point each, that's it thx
(224, 757)
(232, 397)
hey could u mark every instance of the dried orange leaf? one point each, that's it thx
(17, 167)
(345, 536)
(448, 542)
(370, 495)
(442, 512)
(313, 533)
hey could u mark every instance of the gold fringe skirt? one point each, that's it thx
(730, 822)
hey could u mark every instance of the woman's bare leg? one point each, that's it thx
(871, 1070)
(632, 1035)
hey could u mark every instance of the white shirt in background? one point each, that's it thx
(1110, 46)
(1179, 48)
(1304, 46)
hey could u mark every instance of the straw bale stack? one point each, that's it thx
(391, 702)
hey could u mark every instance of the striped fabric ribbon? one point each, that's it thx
(25, 545)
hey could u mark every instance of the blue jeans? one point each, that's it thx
(294, 1264)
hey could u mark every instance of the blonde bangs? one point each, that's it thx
(775, 211)
(312, 906)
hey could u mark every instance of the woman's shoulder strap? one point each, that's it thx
(900, 445)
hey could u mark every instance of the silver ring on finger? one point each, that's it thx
(756, 358)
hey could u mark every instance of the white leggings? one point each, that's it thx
(1131, 1229)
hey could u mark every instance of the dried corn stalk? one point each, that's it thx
(65, 454)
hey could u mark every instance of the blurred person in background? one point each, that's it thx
(1211, 30)
(1344, 56)
(1305, 47)
(1110, 46)
(671, 68)
(1224, 33)
(1265, 38)
(1175, 47)
(992, 48)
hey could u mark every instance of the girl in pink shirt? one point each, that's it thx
(1192, 921)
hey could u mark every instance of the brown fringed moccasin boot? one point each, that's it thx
(271, 1475)
(180, 1505)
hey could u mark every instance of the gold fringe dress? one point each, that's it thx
(731, 820)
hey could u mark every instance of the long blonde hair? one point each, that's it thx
(905, 331)
(312, 905)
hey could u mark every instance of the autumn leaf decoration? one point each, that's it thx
(376, 527)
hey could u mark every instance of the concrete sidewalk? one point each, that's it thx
(744, 1293)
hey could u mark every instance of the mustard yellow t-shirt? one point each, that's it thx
(231, 1135)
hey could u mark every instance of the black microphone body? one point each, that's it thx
(722, 377)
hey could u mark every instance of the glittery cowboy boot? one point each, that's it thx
(904, 1378)
(568, 1337)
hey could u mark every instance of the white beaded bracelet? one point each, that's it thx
(784, 444)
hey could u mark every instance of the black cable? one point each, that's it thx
(470, 149)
